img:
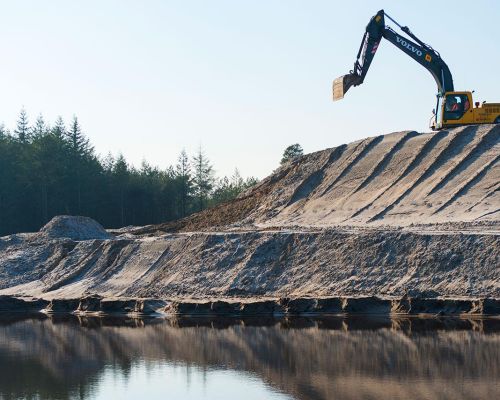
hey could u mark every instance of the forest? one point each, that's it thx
(48, 170)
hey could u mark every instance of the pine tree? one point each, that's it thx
(203, 179)
(77, 141)
(59, 129)
(22, 130)
(3, 132)
(183, 175)
(80, 153)
(223, 192)
(122, 175)
(291, 152)
(108, 162)
(237, 181)
(40, 128)
(56, 171)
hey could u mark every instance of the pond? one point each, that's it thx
(70, 357)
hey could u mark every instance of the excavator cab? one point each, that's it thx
(457, 108)
(453, 109)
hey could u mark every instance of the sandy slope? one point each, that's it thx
(269, 263)
(398, 179)
(385, 215)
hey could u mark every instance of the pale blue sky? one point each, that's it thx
(243, 78)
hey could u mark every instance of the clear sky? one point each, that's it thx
(242, 78)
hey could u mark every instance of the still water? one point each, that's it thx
(326, 358)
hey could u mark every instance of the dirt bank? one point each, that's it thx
(391, 180)
(404, 213)
(282, 263)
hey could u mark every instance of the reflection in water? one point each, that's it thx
(195, 358)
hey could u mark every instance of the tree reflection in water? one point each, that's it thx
(301, 358)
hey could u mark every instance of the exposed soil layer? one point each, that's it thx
(372, 305)
(284, 263)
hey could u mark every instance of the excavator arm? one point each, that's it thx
(422, 53)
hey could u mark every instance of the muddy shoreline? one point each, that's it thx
(368, 305)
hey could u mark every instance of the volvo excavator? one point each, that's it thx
(453, 108)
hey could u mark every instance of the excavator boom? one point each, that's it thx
(424, 54)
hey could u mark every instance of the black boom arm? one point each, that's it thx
(422, 53)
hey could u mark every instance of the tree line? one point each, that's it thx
(48, 170)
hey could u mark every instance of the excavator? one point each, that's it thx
(453, 108)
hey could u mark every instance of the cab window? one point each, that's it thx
(455, 106)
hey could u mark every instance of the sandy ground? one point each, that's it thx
(398, 179)
(322, 262)
(394, 214)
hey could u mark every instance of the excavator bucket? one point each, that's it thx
(341, 85)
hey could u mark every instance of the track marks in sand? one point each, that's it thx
(384, 161)
(461, 190)
(308, 185)
(486, 142)
(495, 188)
(369, 144)
(425, 149)
(104, 255)
(488, 213)
(459, 139)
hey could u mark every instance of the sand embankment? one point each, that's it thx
(403, 213)
(398, 179)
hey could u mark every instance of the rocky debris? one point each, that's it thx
(299, 306)
(73, 227)
(91, 303)
(370, 305)
(419, 305)
(366, 305)
(488, 307)
(116, 306)
(95, 304)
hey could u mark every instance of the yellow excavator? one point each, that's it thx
(453, 108)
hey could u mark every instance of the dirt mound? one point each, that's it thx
(73, 227)
(325, 262)
(397, 179)
(404, 213)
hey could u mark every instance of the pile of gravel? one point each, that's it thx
(74, 227)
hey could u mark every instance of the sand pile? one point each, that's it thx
(397, 179)
(73, 227)
(325, 262)
(395, 214)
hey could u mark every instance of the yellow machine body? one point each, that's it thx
(457, 108)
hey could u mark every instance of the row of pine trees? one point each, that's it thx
(48, 170)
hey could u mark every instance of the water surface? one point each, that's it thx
(298, 358)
